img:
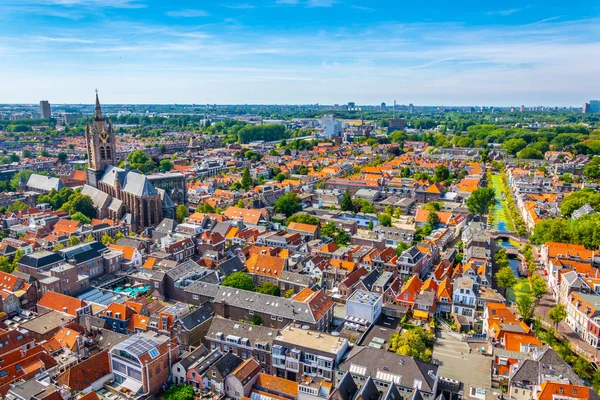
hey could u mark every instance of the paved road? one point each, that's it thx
(455, 362)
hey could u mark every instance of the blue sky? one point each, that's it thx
(300, 51)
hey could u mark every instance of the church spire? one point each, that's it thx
(98, 114)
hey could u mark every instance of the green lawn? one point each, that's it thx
(521, 288)
(500, 212)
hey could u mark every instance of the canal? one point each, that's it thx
(500, 214)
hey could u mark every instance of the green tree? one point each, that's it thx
(79, 203)
(370, 226)
(385, 219)
(513, 146)
(257, 320)
(538, 287)
(62, 157)
(441, 173)
(26, 154)
(578, 199)
(416, 342)
(81, 218)
(141, 161)
(119, 236)
(165, 165)
(304, 219)
(288, 204)
(74, 240)
(20, 177)
(591, 170)
(480, 200)
(246, 179)
(329, 229)
(183, 392)
(402, 246)
(526, 308)
(239, 280)
(505, 278)
(5, 265)
(433, 219)
(557, 314)
(206, 209)
(342, 238)
(17, 206)
(181, 213)
(346, 203)
(268, 288)
(106, 239)
(530, 154)
(433, 206)
(289, 293)
(302, 170)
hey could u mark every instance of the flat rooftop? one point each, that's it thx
(320, 341)
(379, 333)
(362, 297)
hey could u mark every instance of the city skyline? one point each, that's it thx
(299, 52)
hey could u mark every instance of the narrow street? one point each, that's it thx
(578, 345)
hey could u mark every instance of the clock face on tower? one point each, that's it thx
(104, 136)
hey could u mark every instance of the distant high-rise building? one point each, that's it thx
(331, 126)
(383, 106)
(411, 108)
(71, 118)
(595, 106)
(396, 124)
(522, 108)
(45, 111)
(351, 104)
(586, 108)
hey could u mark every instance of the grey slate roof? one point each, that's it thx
(40, 259)
(227, 364)
(190, 358)
(409, 368)
(586, 209)
(254, 333)
(198, 316)
(45, 183)
(130, 181)
(535, 372)
(99, 198)
(346, 387)
(263, 303)
(230, 266)
(295, 278)
(369, 390)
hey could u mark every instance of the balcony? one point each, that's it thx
(292, 365)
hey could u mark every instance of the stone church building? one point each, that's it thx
(117, 193)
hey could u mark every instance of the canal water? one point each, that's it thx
(499, 212)
(513, 263)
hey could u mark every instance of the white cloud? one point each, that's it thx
(240, 6)
(505, 13)
(424, 63)
(187, 13)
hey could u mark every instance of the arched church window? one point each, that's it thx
(102, 153)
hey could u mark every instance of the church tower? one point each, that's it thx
(101, 148)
